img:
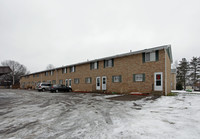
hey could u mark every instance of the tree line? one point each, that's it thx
(188, 73)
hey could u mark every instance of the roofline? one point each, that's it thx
(110, 57)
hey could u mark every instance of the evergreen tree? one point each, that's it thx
(194, 70)
(182, 72)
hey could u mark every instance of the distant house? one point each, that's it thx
(4, 70)
(145, 71)
(173, 79)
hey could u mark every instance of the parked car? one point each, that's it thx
(43, 86)
(60, 88)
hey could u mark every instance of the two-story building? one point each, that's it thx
(145, 71)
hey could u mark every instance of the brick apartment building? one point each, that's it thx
(145, 71)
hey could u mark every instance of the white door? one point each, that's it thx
(104, 81)
(66, 82)
(98, 83)
(158, 81)
(70, 82)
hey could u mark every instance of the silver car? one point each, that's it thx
(43, 86)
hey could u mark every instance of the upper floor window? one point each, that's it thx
(94, 65)
(108, 63)
(64, 70)
(52, 72)
(150, 56)
(46, 73)
(72, 69)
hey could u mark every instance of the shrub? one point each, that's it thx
(179, 86)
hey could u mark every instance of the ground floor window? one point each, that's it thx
(116, 79)
(88, 80)
(138, 77)
(60, 81)
(54, 82)
(76, 81)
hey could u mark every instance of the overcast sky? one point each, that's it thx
(61, 32)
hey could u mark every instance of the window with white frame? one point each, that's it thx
(52, 72)
(150, 56)
(88, 80)
(64, 70)
(138, 77)
(46, 73)
(116, 79)
(108, 63)
(72, 69)
(94, 65)
(76, 81)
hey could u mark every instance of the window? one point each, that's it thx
(60, 81)
(52, 72)
(72, 69)
(116, 79)
(76, 81)
(88, 80)
(94, 65)
(37, 75)
(150, 56)
(108, 63)
(64, 70)
(138, 77)
(33, 75)
(46, 73)
(54, 82)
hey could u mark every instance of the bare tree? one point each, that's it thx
(50, 66)
(17, 71)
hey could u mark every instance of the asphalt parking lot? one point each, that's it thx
(30, 114)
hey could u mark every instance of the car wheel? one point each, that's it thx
(70, 90)
(43, 90)
(57, 91)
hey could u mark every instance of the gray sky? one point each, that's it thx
(61, 32)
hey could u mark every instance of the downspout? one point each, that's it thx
(165, 73)
(41, 78)
(56, 77)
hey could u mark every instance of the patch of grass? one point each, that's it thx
(172, 94)
(188, 90)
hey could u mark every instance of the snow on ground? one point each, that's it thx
(183, 91)
(31, 114)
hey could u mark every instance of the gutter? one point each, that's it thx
(165, 72)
